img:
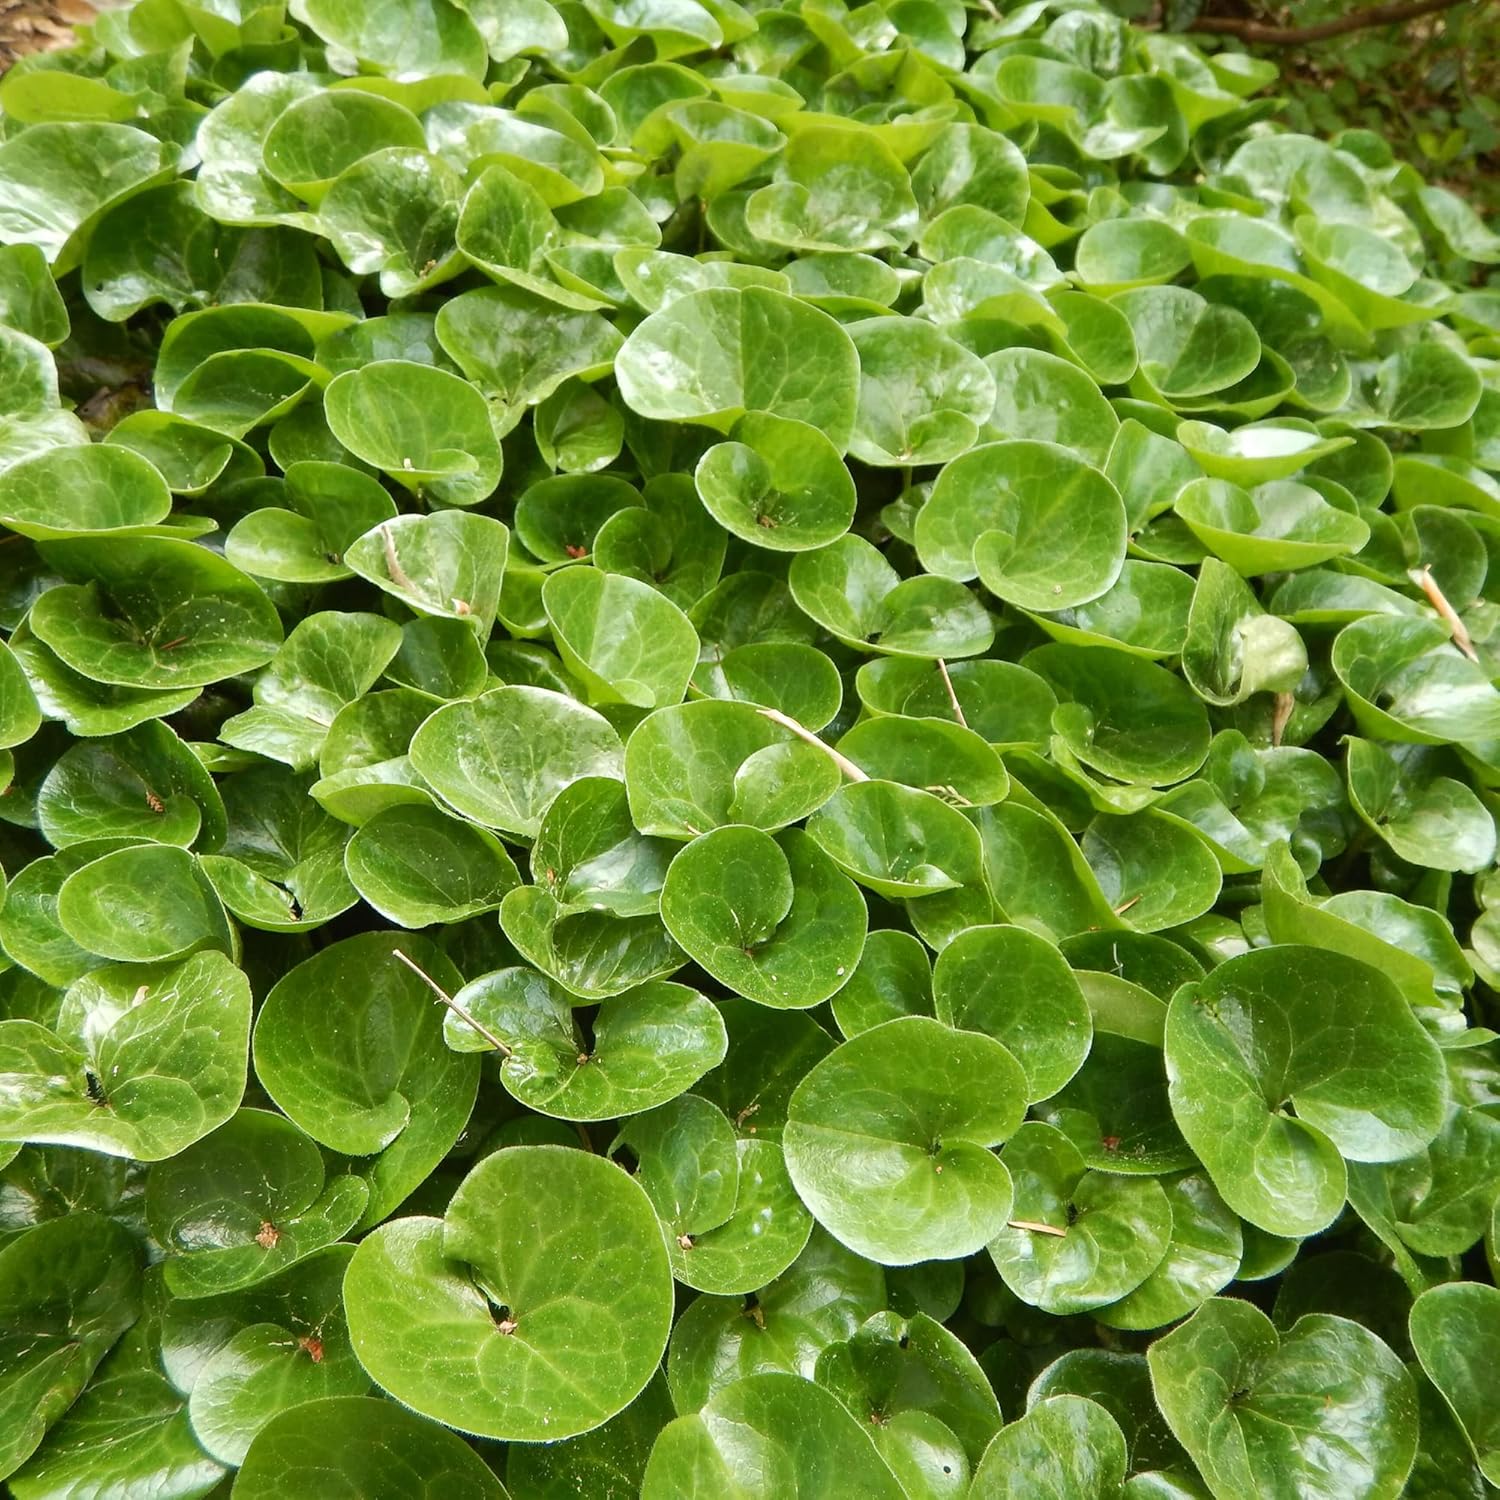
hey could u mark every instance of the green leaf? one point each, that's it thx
(68, 1289)
(1189, 347)
(780, 484)
(372, 1076)
(448, 565)
(129, 1427)
(823, 1297)
(1043, 398)
(152, 613)
(1326, 1405)
(518, 349)
(768, 1434)
(545, 1351)
(853, 592)
(57, 179)
(29, 299)
(1124, 717)
(480, 756)
(417, 866)
(329, 506)
(68, 491)
(1203, 1256)
(266, 1351)
(1275, 528)
(331, 659)
(644, 1046)
(1040, 527)
(923, 398)
(592, 954)
(142, 1062)
(607, 1462)
(102, 907)
(836, 189)
(245, 1203)
(427, 429)
(622, 639)
(773, 919)
(1439, 1199)
(896, 1365)
(1101, 1235)
(714, 355)
(1067, 1443)
(1453, 1329)
(319, 136)
(1429, 820)
(1254, 1040)
(888, 1140)
(1407, 682)
(143, 784)
(1016, 987)
(1258, 454)
(407, 38)
(1150, 869)
(1233, 648)
(375, 1444)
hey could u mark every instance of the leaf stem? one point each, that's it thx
(452, 1004)
(958, 712)
(1424, 580)
(802, 732)
(1036, 1227)
(1284, 707)
(397, 574)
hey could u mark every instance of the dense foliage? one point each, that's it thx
(752, 749)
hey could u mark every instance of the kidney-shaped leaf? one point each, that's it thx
(713, 355)
(349, 1044)
(1285, 1029)
(149, 612)
(535, 1310)
(245, 1203)
(1040, 527)
(377, 1445)
(1066, 1446)
(772, 918)
(766, 1437)
(501, 758)
(144, 1060)
(1325, 1408)
(644, 1047)
(1455, 1331)
(888, 1140)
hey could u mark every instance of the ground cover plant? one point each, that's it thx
(750, 751)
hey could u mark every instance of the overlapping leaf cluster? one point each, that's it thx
(752, 748)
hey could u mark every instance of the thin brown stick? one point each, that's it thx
(394, 571)
(802, 732)
(958, 712)
(1424, 580)
(1296, 36)
(452, 1004)
(1285, 705)
(1036, 1227)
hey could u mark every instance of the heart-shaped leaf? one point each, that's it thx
(536, 1360)
(366, 1439)
(373, 1075)
(1253, 1041)
(773, 919)
(888, 1140)
(1326, 1402)
(480, 756)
